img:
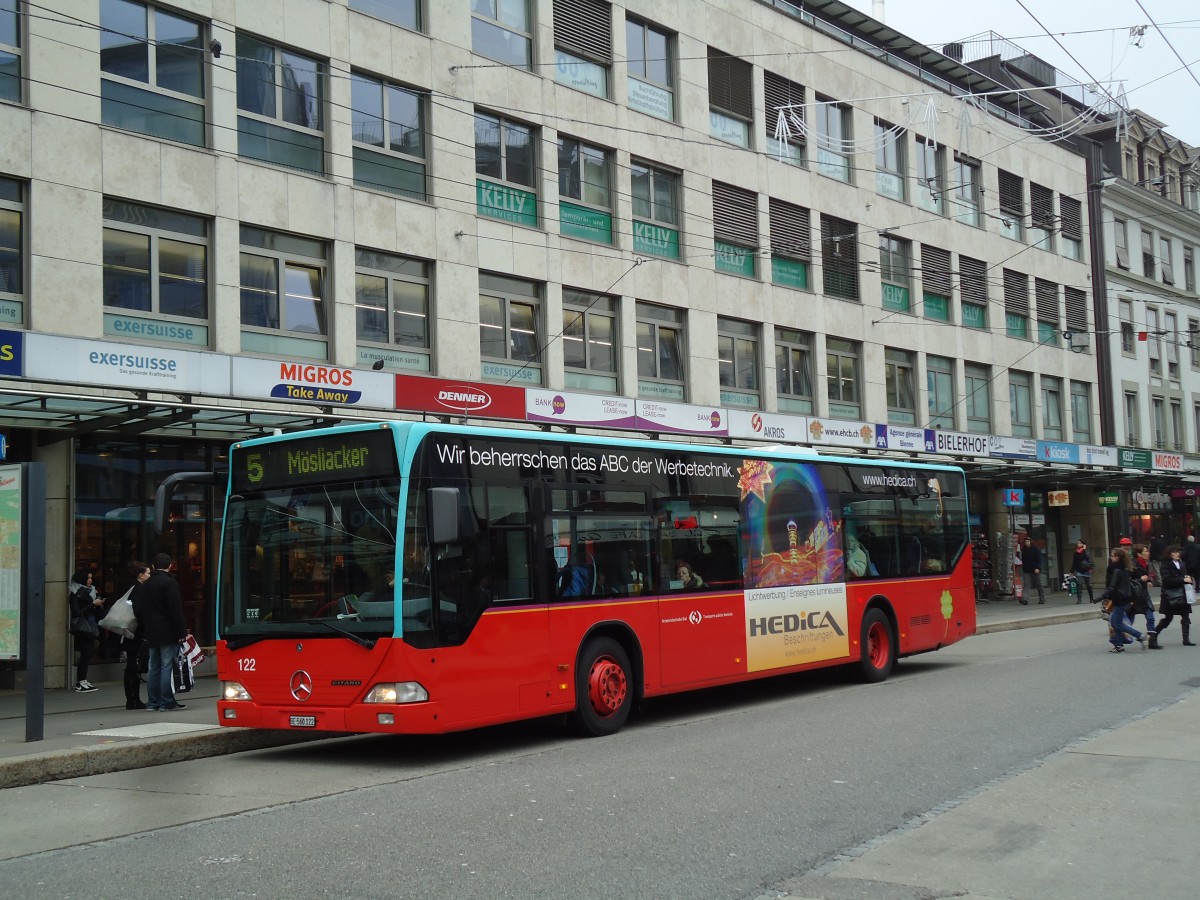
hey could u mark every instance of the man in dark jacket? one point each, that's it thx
(1031, 561)
(1191, 558)
(159, 610)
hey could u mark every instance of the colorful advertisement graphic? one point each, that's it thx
(579, 409)
(459, 398)
(303, 382)
(11, 350)
(10, 562)
(791, 532)
(793, 626)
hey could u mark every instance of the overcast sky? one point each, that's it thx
(1095, 32)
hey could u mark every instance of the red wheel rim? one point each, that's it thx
(879, 645)
(607, 686)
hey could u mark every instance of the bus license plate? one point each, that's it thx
(302, 721)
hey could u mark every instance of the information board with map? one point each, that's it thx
(10, 562)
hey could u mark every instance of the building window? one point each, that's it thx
(839, 258)
(973, 288)
(939, 383)
(660, 352)
(785, 118)
(1177, 425)
(794, 370)
(1052, 409)
(155, 270)
(833, 138)
(735, 229)
(284, 288)
(1020, 403)
(590, 342)
(1045, 294)
(1153, 341)
(930, 163)
(791, 244)
(391, 310)
(1189, 270)
(1081, 412)
(10, 51)
(501, 30)
(1193, 344)
(978, 380)
(1164, 259)
(1171, 327)
(1126, 311)
(655, 195)
(1071, 212)
(936, 282)
(899, 379)
(651, 70)
(152, 65)
(1012, 205)
(1160, 423)
(1075, 301)
(405, 13)
(1147, 255)
(583, 45)
(280, 96)
(895, 255)
(388, 127)
(1041, 216)
(584, 176)
(889, 160)
(1131, 418)
(509, 331)
(730, 98)
(737, 362)
(504, 157)
(966, 190)
(1121, 242)
(1016, 304)
(842, 378)
(12, 252)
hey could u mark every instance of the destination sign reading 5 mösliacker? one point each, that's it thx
(351, 455)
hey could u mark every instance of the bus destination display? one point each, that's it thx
(344, 457)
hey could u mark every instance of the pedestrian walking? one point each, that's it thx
(1031, 562)
(1190, 555)
(1174, 599)
(1158, 552)
(159, 608)
(1141, 581)
(1083, 566)
(84, 601)
(134, 648)
(1118, 588)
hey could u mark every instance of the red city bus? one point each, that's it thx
(414, 578)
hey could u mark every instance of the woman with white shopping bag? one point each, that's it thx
(1178, 595)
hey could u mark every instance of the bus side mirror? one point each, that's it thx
(441, 507)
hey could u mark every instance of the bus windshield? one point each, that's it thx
(296, 558)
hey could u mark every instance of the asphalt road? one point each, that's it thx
(732, 793)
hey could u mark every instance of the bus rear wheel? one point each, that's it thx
(603, 688)
(878, 647)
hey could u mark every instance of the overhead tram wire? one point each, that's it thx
(1171, 46)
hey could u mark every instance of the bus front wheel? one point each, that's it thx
(878, 647)
(603, 688)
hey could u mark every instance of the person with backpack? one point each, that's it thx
(1119, 589)
(1083, 566)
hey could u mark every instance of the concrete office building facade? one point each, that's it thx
(217, 216)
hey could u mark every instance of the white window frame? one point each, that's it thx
(900, 385)
(280, 130)
(511, 296)
(794, 362)
(843, 377)
(16, 52)
(397, 349)
(652, 323)
(294, 334)
(833, 125)
(404, 13)
(1020, 403)
(978, 382)
(939, 385)
(585, 317)
(382, 153)
(738, 361)
(493, 19)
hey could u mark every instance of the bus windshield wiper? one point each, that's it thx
(237, 643)
(369, 643)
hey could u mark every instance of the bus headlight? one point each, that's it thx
(398, 692)
(231, 690)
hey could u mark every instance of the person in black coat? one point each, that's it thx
(1083, 566)
(1190, 554)
(134, 647)
(1174, 598)
(1119, 588)
(84, 603)
(1031, 563)
(159, 609)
